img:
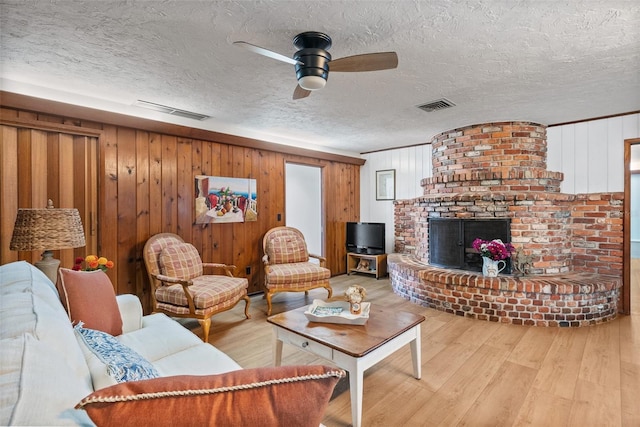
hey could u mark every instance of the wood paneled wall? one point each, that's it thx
(38, 165)
(145, 185)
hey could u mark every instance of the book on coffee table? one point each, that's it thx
(336, 312)
(327, 311)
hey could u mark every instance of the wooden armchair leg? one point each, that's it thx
(206, 325)
(268, 294)
(246, 307)
(329, 290)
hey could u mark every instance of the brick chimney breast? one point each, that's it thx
(506, 156)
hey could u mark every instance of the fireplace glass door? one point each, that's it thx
(450, 241)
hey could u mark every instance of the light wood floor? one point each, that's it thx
(474, 373)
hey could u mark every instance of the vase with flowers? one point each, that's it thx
(226, 198)
(92, 262)
(493, 252)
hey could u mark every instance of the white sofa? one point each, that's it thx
(43, 373)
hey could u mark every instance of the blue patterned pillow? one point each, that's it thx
(121, 362)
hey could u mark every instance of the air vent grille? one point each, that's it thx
(436, 105)
(170, 110)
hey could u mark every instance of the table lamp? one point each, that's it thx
(47, 229)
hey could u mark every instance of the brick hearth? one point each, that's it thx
(498, 170)
(572, 299)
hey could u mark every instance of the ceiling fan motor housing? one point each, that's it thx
(315, 63)
(315, 59)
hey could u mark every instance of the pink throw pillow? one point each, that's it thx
(89, 297)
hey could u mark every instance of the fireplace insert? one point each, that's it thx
(451, 239)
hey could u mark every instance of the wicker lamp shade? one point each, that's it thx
(47, 229)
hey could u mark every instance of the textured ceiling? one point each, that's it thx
(542, 61)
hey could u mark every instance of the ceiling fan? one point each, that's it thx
(313, 62)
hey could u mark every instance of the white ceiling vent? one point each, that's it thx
(170, 110)
(438, 104)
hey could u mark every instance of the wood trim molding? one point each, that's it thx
(626, 224)
(593, 118)
(47, 126)
(39, 105)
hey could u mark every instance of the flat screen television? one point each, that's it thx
(365, 237)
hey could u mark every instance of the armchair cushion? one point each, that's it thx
(288, 395)
(300, 272)
(181, 260)
(207, 291)
(287, 248)
(89, 297)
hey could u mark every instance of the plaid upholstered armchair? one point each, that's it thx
(179, 287)
(287, 267)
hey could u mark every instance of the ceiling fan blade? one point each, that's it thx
(365, 62)
(266, 52)
(300, 92)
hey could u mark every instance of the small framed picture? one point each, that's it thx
(386, 184)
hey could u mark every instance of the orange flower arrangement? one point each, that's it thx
(92, 262)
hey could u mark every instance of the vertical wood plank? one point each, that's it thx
(169, 185)
(204, 231)
(212, 235)
(581, 158)
(253, 239)
(63, 173)
(39, 154)
(126, 215)
(142, 215)
(615, 158)
(598, 156)
(185, 180)
(155, 184)
(196, 168)
(330, 185)
(568, 141)
(108, 207)
(54, 170)
(82, 184)
(631, 126)
(239, 255)
(91, 193)
(8, 190)
(38, 167)
(257, 228)
(80, 147)
(225, 231)
(554, 149)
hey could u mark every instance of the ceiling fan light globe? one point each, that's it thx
(311, 82)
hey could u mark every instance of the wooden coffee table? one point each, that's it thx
(351, 347)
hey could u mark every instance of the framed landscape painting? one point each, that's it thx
(224, 199)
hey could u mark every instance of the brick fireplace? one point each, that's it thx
(574, 241)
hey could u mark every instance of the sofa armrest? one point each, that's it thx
(130, 311)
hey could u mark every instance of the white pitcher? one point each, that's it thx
(491, 268)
